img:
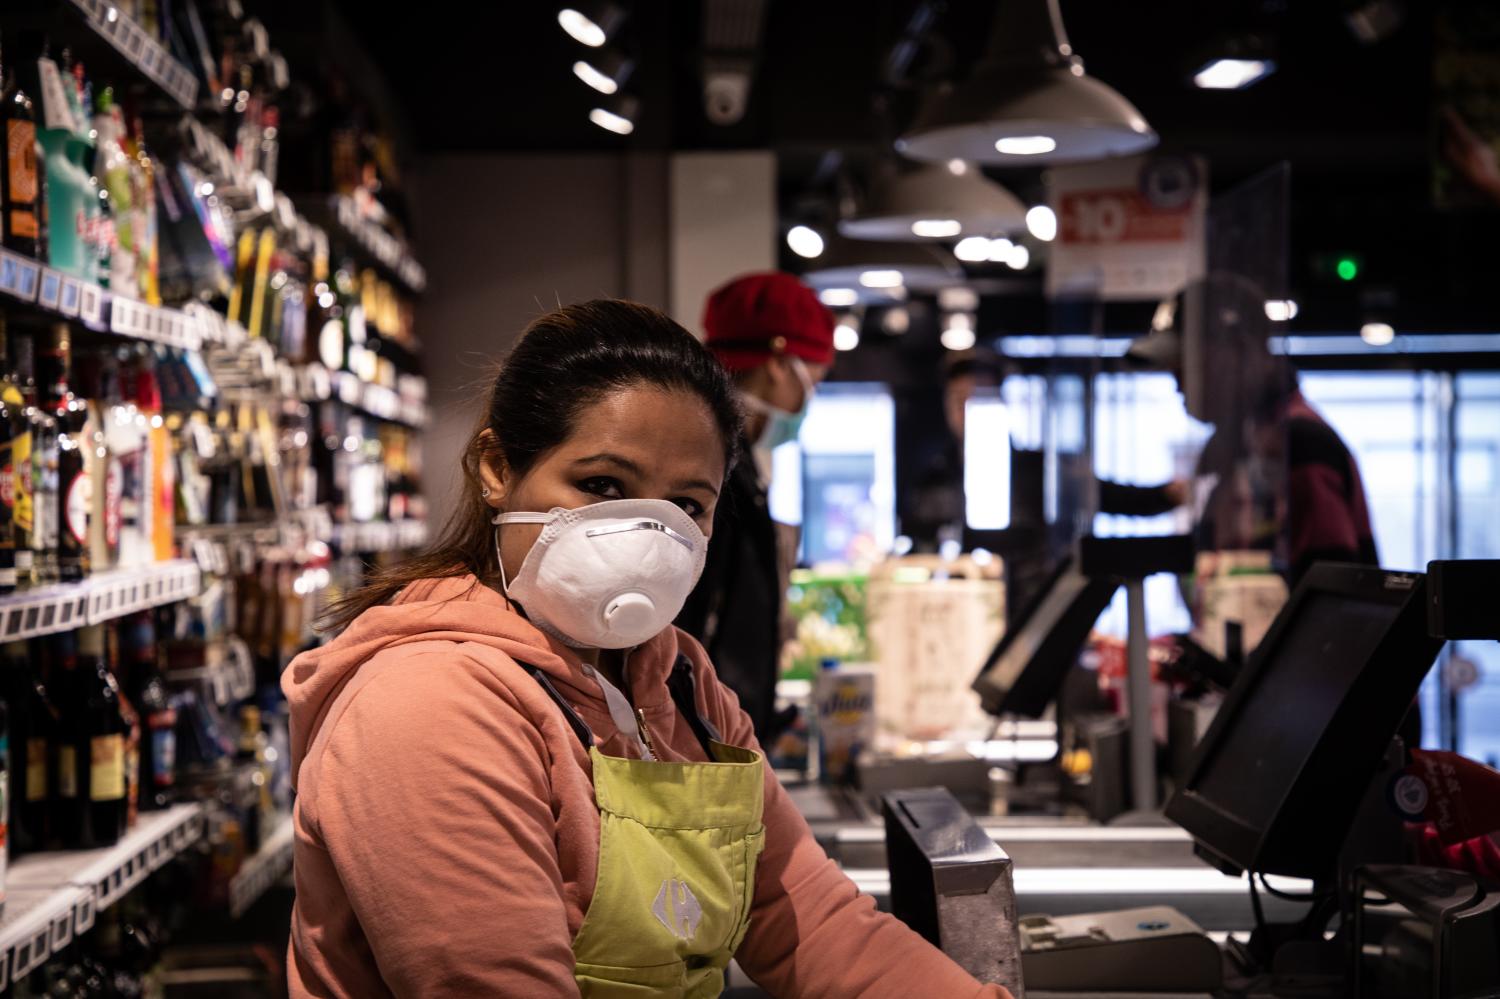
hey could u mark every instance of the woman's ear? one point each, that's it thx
(494, 474)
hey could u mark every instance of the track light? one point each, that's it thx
(805, 242)
(591, 24)
(616, 115)
(606, 72)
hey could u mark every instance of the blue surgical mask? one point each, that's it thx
(781, 426)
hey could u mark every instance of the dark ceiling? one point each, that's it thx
(1352, 120)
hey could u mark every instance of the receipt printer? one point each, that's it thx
(1156, 949)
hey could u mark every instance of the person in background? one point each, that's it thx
(935, 512)
(514, 776)
(775, 339)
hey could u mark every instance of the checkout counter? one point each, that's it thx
(1276, 867)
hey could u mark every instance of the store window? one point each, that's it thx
(1144, 437)
(838, 480)
(1476, 693)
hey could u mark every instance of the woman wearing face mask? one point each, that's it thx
(776, 340)
(514, 777)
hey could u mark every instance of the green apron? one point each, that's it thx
(678, 845)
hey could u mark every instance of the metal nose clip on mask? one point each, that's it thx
(609, 575)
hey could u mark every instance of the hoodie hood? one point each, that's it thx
(457, 609)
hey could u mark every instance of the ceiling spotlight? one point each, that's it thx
(1041, 222)
(606, 72)
(999, 250)
(936, 228)
(1232, 74)
(958, 299)
(1018, 258)
(591, 24)
(1028, 99)
(958, 332)
(973, 249)
(1281, 310)
(846, 334)
(837, 298)
(1377, 334)
(881, 279)
(616, 115)
(958, 167)
(805, 241)
(1025, 145)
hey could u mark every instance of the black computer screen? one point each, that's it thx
(1281, 720)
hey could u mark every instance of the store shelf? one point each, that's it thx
(142, 51)
(377, 400)
(387, 250)
(52, 897)
(380, 537)
(65, 297)
(50, 609)
(262, 870)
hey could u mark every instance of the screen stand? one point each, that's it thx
(1142, 739)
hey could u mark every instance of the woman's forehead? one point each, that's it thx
(650, 425)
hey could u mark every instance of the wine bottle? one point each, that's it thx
(20, 184)
(22, 458)
(33, 744)
(10, 423)
(98, 736)
(75, 488)
(158, 760)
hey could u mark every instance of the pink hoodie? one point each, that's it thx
(447, 837)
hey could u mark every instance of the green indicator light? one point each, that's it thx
(1347, 268)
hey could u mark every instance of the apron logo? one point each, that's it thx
(677, 909)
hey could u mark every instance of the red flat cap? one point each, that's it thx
(756, 317)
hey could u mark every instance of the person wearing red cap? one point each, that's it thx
(776, 340)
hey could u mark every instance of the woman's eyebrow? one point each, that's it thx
(613, 459)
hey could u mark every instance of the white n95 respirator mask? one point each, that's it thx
(608, 575)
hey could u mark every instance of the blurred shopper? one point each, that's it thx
(1284, 480)
(509, 736)
(936, 507)
(775, 339)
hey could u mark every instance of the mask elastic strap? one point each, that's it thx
(500, 519)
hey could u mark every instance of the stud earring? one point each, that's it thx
(485, 494)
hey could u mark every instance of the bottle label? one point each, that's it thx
(107, 767)
(80, 497)
(67, 771)
(164, 757)
(20, 482)
(36, 769)
(56, 112)
(20, 138)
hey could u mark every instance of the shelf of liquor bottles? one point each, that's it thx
(55, 896)
(143, 51)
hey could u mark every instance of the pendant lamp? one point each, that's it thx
(935, 201)
(856, 271)
(1029, 102)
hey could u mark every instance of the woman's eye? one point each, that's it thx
(602, 486)
(690, 507)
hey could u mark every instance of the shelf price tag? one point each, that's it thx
(50, 294)
(91, 304)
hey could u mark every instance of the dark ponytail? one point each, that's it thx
(564, 362)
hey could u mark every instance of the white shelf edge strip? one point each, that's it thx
(55, 896)
(261, 871)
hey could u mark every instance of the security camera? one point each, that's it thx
(726, 92)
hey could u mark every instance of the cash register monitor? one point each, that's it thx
(1027, 667)
(1275, 783)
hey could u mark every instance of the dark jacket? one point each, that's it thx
(735, 610)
